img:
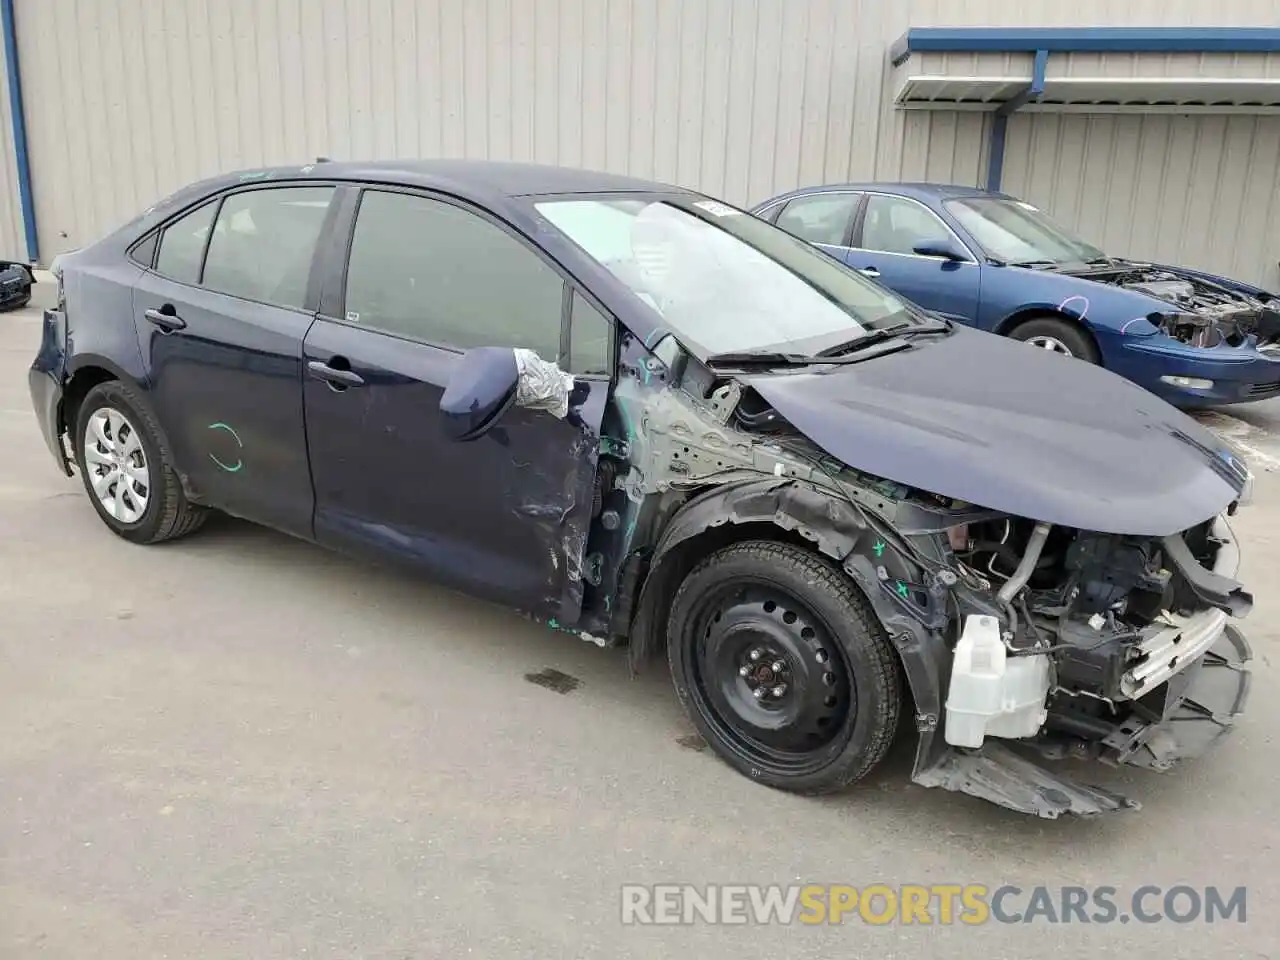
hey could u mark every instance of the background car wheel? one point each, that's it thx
(783, 667)
(17, 304)
(1057, 336)
(126, 470)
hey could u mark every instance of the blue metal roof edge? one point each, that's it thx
(1086, 39)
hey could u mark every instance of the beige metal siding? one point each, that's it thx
(129, 99)
(1198, 190)
(13, 243)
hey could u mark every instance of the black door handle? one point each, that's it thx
(334, 376)
(167, 322)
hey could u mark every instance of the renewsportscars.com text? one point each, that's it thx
(943, 904)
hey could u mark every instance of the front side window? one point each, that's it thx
(590, 339)
(895, 225)
(263, 244)
(435, 272)
(182, 244)
(1018, 233)
(724, 280)
(820, 218)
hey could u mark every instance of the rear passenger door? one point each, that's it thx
(823, 219)
(504, 516)
(221, 313)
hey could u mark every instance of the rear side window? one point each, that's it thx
(182, 244)
(263, 243)
(819, 218)
(432, 271)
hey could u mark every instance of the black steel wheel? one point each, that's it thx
(783, 666)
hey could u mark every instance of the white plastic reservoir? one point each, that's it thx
(991, 693)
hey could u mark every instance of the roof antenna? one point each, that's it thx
(322, 160)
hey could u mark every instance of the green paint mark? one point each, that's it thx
(903, 590)
(228, 467)
(879, 548)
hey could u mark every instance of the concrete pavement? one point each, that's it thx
(240, 745)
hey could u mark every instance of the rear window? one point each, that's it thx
(263, 244)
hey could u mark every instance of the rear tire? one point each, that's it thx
(779, 619)
(1057, 336)
(127, 470)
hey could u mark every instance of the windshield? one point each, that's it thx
(1016, 232)
(723, 280)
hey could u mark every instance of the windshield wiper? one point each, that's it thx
(776, 358)
(769, 358)
(872, 337)
(1031, 264)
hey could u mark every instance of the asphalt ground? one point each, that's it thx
(241, 745)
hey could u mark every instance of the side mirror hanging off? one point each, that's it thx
(489, 380)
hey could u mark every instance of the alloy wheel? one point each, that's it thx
(1052, 344)
(117, 464)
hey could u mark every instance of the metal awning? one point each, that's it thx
(960, 92)
(1095, 69)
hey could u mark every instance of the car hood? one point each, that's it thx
(983, 419)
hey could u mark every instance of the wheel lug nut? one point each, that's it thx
(743, 670)
(778, 666)
(758, 692)
(756, 654)
(779, 690)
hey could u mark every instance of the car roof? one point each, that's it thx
(491, 178)
(915, 189)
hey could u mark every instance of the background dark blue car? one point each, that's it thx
(997, 263)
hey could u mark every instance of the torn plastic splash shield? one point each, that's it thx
(997, 774)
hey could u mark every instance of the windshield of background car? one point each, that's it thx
(1016, 232)
(722, 279)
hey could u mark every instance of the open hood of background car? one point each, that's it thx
(980, 418)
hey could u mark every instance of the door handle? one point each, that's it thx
(869, 271)
(167, 322)
(336, 377)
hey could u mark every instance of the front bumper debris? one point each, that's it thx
(16, 280)
(1200, 707)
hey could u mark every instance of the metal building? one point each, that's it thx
(1161, 140)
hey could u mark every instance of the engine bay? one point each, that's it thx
(1207, 314)
(1117, 620)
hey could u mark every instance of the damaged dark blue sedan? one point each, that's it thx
(641, 415)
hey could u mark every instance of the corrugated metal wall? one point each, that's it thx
(1198, 190)
(128, 99)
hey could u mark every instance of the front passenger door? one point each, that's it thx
(884, 250)
(504, 516)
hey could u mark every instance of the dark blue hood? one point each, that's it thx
(980, 418)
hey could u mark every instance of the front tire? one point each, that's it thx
(1057, 336)
(783, 667)
(127, 471)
